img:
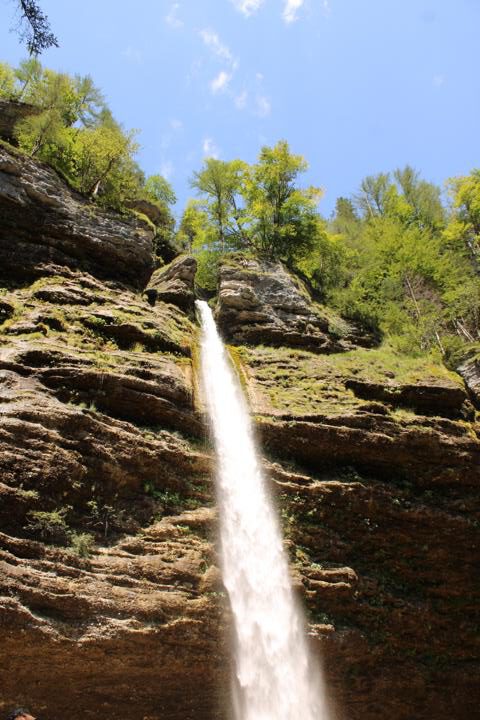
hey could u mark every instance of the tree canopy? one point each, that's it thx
(393, 257)
(259, 207)
(410, 263)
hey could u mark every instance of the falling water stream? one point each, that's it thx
(274, 677)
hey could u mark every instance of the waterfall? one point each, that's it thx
(274, 675)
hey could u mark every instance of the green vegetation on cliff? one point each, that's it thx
(397, 257)
(393, 258)
(69, 126)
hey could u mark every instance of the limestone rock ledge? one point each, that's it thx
(174, 284)
(262, 303)
(46, 225)
(470, 371)
(11, 112)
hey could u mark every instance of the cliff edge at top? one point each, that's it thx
(46, 225)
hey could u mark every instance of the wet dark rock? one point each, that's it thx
(470, 372)
(6, 310)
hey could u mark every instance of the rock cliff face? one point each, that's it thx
(110, 594)
(263, 303)
(470, 372)
(46, 226)
(174, 284)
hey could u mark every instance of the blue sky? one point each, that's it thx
(356, 86)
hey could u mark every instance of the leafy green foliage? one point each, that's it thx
(74, 131)
(410, 270)
(325, 266)
(82, 544)
(283, 218)
(158, 189)
(7, 81)
(392, 258)
(197, 234)
(221, 183)
(50, 526)
(255, 209)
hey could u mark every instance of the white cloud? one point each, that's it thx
(172, 18)
(209, 148)
(326, 7)
(176, 124)
(241, 100)
(220, 82)
(166, 169)
(248, 7)
(262, 106)
(438, 81)
(291, 9)
(212, 41)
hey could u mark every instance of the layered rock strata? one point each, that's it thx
(262, 303)
(110, 593)
(46, 226)
(174, 284)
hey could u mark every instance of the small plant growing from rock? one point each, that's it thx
(50, 526)
(82, 544)
(167, 497)
(100, 515)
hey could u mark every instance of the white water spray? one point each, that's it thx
(274, 679)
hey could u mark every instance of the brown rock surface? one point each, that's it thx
(262, 303)
(380, 509)
(12, 112)
(45, 225)
(111, 599)
(174, 283)
(107, 574)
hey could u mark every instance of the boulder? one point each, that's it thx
(470, 372)
(11, 112)
(174, 284)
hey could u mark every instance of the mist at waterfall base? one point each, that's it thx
(275, 678)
